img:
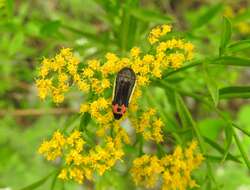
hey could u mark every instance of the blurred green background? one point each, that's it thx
(31, 30)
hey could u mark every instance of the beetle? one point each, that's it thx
(124, 86)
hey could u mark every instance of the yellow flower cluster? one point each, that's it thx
(57, 74)
(81, 163)
(53, 149)
(174, 169)
(95, 79)
(150, 126)
(157, 32)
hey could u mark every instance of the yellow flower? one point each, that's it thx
(67, 53)
(146, 171)
(174, 169)
(44, 87)
(83, 86)
(84, 108)
(53, 148)
(178, 167)
(63, 174)
(94, 64)
(81, 158)
(135, 51)
(157, 32)
(150, 126)
(111, 57)
(76, 174)
(88, 73)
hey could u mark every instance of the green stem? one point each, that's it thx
(241, 149)
(230, 123)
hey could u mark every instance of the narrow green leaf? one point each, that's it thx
(85, 119)
(10, 7)
(212, 86)
(207, 16)
(234, 92)
(183, 112)
(219, 158)
(241, 149)
(229, 138)
(232, 61)
(54, 180)
(225, 35)
(238, 46)
(220, 149)
(37, 183)
(188, 117)
(16, 43)
(242, 130)
(150, 16)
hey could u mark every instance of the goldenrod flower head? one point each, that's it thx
(175, 169)
(157, 32)
(63, 174)
(150, 126)
(146, 171)
(95, 79)
(84, 108)
(135, 51)
(53, 148)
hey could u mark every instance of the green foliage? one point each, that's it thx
(206, 99)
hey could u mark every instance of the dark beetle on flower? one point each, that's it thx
(122, 92)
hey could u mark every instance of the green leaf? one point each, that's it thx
(220, 149)
(238, 46)
(225, 35)
(241, 149)
(207, 16)
(50, 28)
(150, 16)
(9, 7)
(183, 112)
(229, 138)
(38, 183)
(16, 43)
(212, 86)
(219, 158)
(234, 92)
(210, 127)
(188, 117)
(85, 119)
(232, 61)
(242, 129)
(54, 180)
